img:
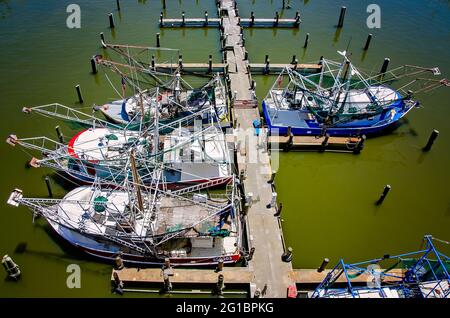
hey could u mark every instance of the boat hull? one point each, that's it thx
(376, 127)
(108, 251)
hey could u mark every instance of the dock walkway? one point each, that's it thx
(265, 233)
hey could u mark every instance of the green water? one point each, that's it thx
(328, 198)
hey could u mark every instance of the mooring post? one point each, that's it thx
(119, 263)
(167, 262)
(284, 4)
(220, 284)
(267, 67)
(80, 97)
(385, 65)
(297, 18)
(294, 57)
(359, 145)
(206, 18)
(323, 265)
(369, 38)
(210, 64)
(250, 254)
(167, 283)
(386, 190)
(252, 19)
(11, 268)
(277, 18)
(153, 62)
(49, 186)
(342, 17)
(118, 284)
(102, 40)
(272, 177)
(287, 256)
(431, 139)
(306, 41)
(94, 65)
(182, 18)
(324, 144)
(180, 61)
(290, 142)
(280, 207)
(164, 4)
(59, 134)
(111, 21)
(219, 267)
(118, 5)
(158, 44)
(161, 19)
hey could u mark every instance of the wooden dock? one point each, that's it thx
(264, 230)
(216, 22)
(313, 277)
(153, 277)
(316, 143)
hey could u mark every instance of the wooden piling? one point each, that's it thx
(158, 43)
(431, 139)
(161, 19)
(118, 5)
(386, 190)
(287, 256)
(102, 39)
(342, 17)
(164, 4)
(94, 65)
(369, 38)
(323, 265)
(385, 65)
(60, 135)
(277, 18)
(252, 19)
(306, 41)
(49, 186)
(210, 64)
(111, 21)
(80, 97)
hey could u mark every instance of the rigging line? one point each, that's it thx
(118, 94)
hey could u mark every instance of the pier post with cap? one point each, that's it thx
(431, 139)
(158, 40)
(49, 186)
(386, 190)
(80, 97)
(369, 39)
(111, 21)
(342, 17)
(385, 65)
(306, 41)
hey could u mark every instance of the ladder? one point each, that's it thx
(200, 186)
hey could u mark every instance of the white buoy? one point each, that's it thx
(12, 269)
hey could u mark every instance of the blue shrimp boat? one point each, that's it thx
(339, 100)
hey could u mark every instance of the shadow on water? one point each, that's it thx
(65, 181)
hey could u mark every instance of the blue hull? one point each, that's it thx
(345, 130)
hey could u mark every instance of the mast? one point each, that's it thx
(136, 181)
(156, 129)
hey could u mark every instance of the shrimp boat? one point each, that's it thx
(173, 102)
(419, 274)
(187, 154)
(145, 226)
(340, 100)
